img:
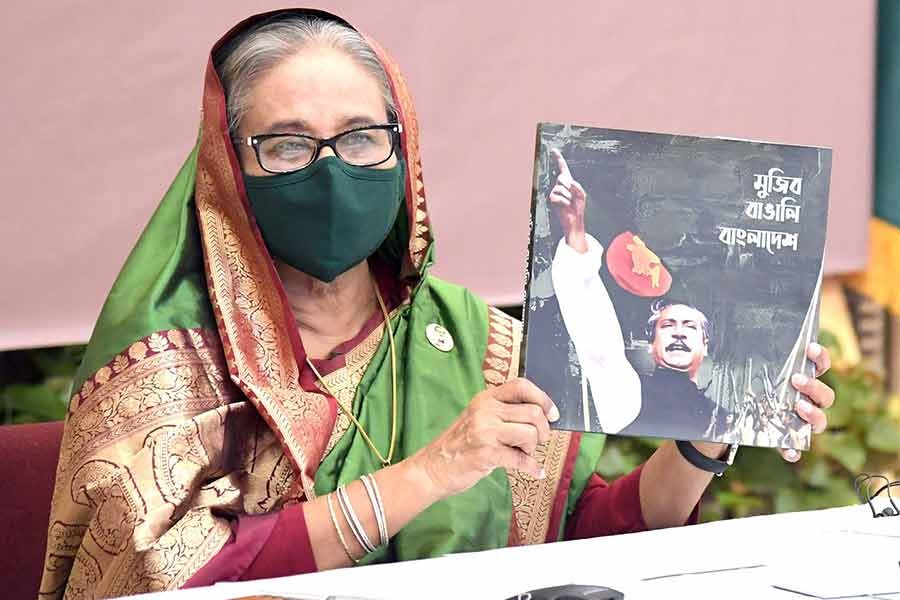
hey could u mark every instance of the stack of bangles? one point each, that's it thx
(353, 521)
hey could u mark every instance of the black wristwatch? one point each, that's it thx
(703, 462)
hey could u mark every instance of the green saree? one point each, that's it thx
(191, 407)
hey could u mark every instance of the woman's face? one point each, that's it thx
(320, 92)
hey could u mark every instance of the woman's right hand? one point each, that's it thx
(501, 427)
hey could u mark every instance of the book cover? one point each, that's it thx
(673, 282)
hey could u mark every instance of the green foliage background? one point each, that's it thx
(35, 384)
(863, 436)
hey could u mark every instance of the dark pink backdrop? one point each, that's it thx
(101, 107)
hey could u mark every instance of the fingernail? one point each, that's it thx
(553, 415)
(804, 407)
(791, 455)
(815, 349)
(542, 474)
(799, 379)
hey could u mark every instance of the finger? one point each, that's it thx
(561, 163)
(515, 459)
(818, 393)
(813, 415)
(577, 190)
(522, 391)
(562, 191)
(559, 200)
(529, 415)
(518, 435)
(790, 455)
(820, 356)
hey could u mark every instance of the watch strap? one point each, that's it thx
(703, 462)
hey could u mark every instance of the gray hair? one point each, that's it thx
(256, 51)
(657, 309)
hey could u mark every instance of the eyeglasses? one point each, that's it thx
(361, 147)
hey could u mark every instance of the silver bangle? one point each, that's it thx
(381, 510)
(377, 507)
(353, 520)
(337, 529)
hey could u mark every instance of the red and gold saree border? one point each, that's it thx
(261, 342)
(420, 235)
(536, 510)
(134, 444)
(167, 373)
(144, 348)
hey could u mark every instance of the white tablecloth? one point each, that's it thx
(829, 553)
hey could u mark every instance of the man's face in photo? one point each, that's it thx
(679, 341)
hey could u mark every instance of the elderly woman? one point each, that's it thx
(277, 385)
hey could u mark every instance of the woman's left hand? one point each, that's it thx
(817, 396)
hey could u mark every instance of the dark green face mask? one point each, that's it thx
(328, 217)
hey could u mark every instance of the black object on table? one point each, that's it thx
(571, 592)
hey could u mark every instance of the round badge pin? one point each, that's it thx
(439, 337)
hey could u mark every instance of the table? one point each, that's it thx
(847, 551)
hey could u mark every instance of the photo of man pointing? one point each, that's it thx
(661, 300)
(666, 402)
